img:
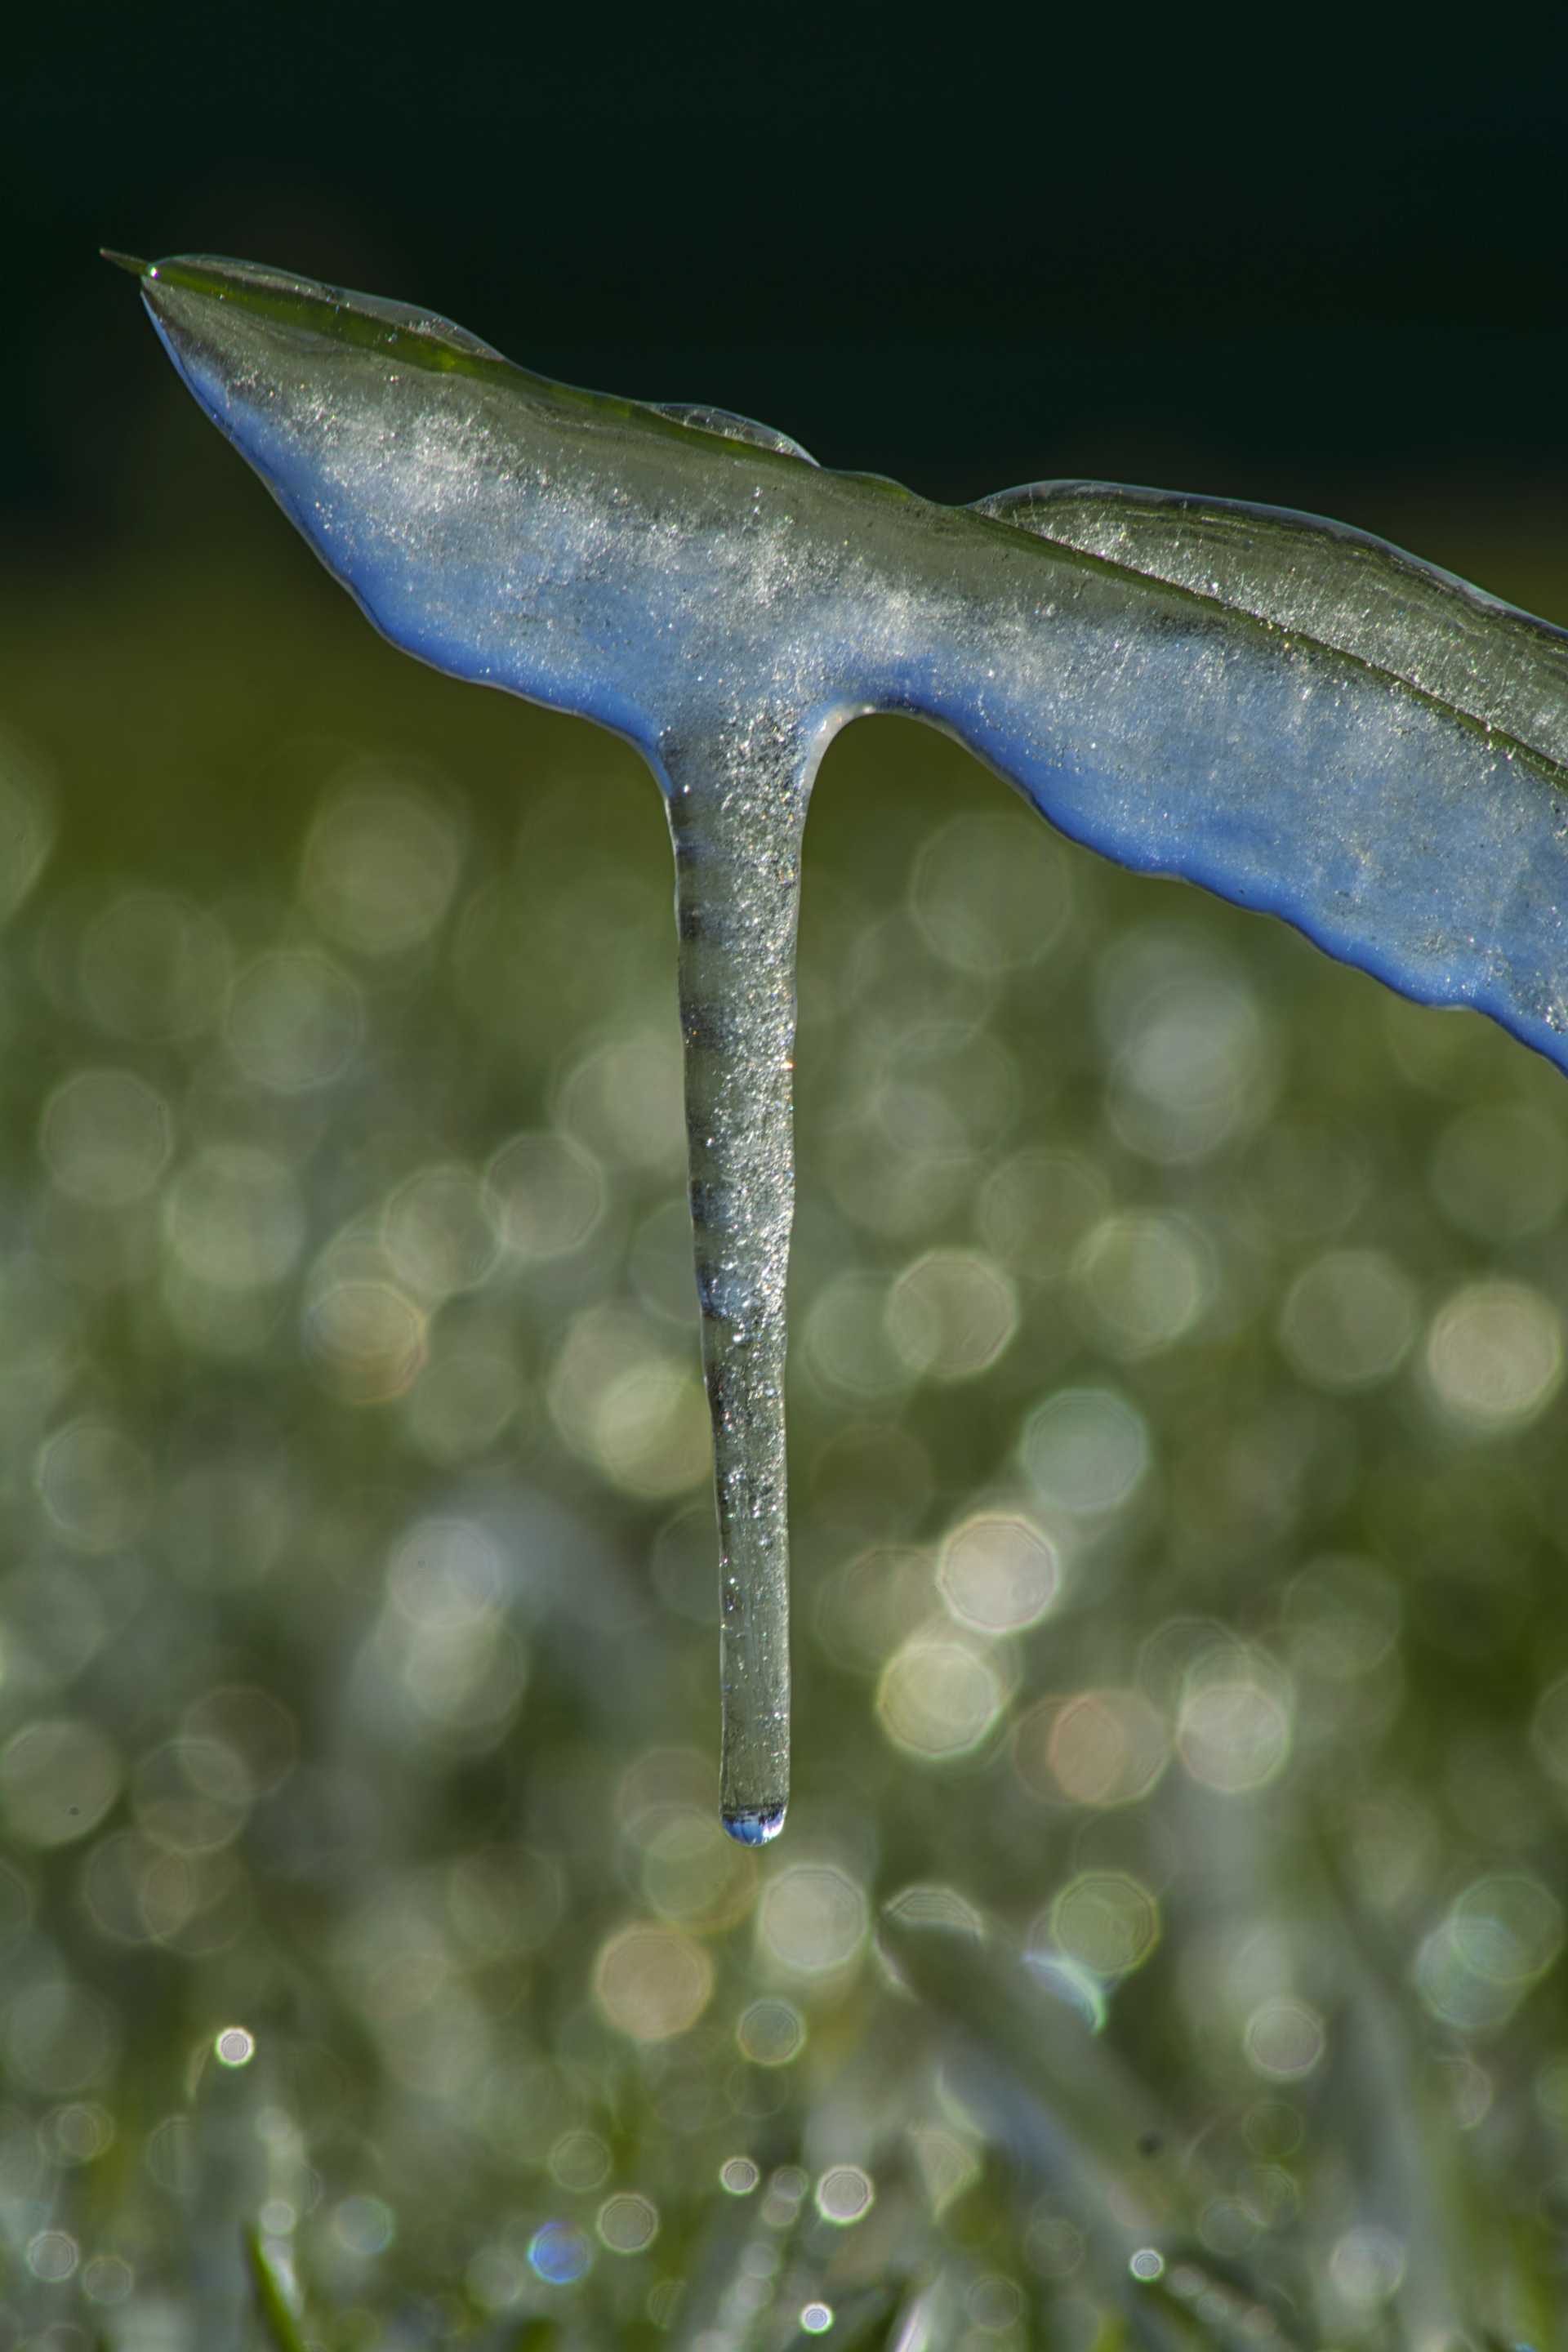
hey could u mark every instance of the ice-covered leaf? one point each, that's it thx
(1297, 717)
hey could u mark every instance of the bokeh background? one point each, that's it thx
(1177, 1380)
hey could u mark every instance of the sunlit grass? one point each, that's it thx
(1176, 1866)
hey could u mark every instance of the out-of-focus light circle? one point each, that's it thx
(998, 1572)
(463, 1680)
(995, 2303)
(1284, 2038)
(1228, 2225)
(1549, 1728)
(628, 2223)
(1349, 1319)
(1500, 1171)
(381, 862)
(580, 2160)
(939, 1698)
(626, 1402)
(1105, 1920)
(1273, 2130)
(547, 1193)
(364, 2226)
(1053, 2245)
(652, 1982)
(1305, 1182)
(153, 966)
(1342, 1613)
(990, 895)
(239, 1727)
(81, 2131)
(661, 1787)
(134, 1891)
(1085, 1451)
(1466, 2089)
(1144, 1282)
(848, 1343)
(505, 1901)
(438, 1233)
(844, 2194)
(1101, 1748)
(58, 1777)
(106, 1137)
(364, 1335)
(1455, 1990)
(1191, 1071)
(951, 1314)
(1494, 1355)
(233, 2045)
(694, 1875)
(738, 2175)
(770, 2033)
(235, 1218)
(60, 2039)
(652, 1429)
(935, 1906)
(815, 2318)
(295, 1020)
(462, 1401)
(1508, 1927)
(53, 2255)
(108, 2279)
(1367, 2265)
(560, 2254)
(446, 1575)
(96, 1485)
(1037, 1207)
(623, 1099)
(813, 1918)
(1147, 2262)
(875, 1600)
(1235, 1724)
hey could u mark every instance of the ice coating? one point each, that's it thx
(1292, 714)
(737, 813)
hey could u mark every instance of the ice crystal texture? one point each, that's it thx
(1297, 716)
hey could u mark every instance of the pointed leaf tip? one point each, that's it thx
(125, 261)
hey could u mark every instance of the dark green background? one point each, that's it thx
(1302, 260)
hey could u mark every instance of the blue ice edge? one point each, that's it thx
(1296, 716)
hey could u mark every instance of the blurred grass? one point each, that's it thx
(1178, 1502)
(271, 2302)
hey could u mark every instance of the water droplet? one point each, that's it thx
(759, 1826)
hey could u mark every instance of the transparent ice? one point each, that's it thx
(1286, 711)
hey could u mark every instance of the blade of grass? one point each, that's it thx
(1088, 2099)
(282, 2328)
(1073, 2106)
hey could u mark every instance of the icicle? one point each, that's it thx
(1297, 717)
(737, 810)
